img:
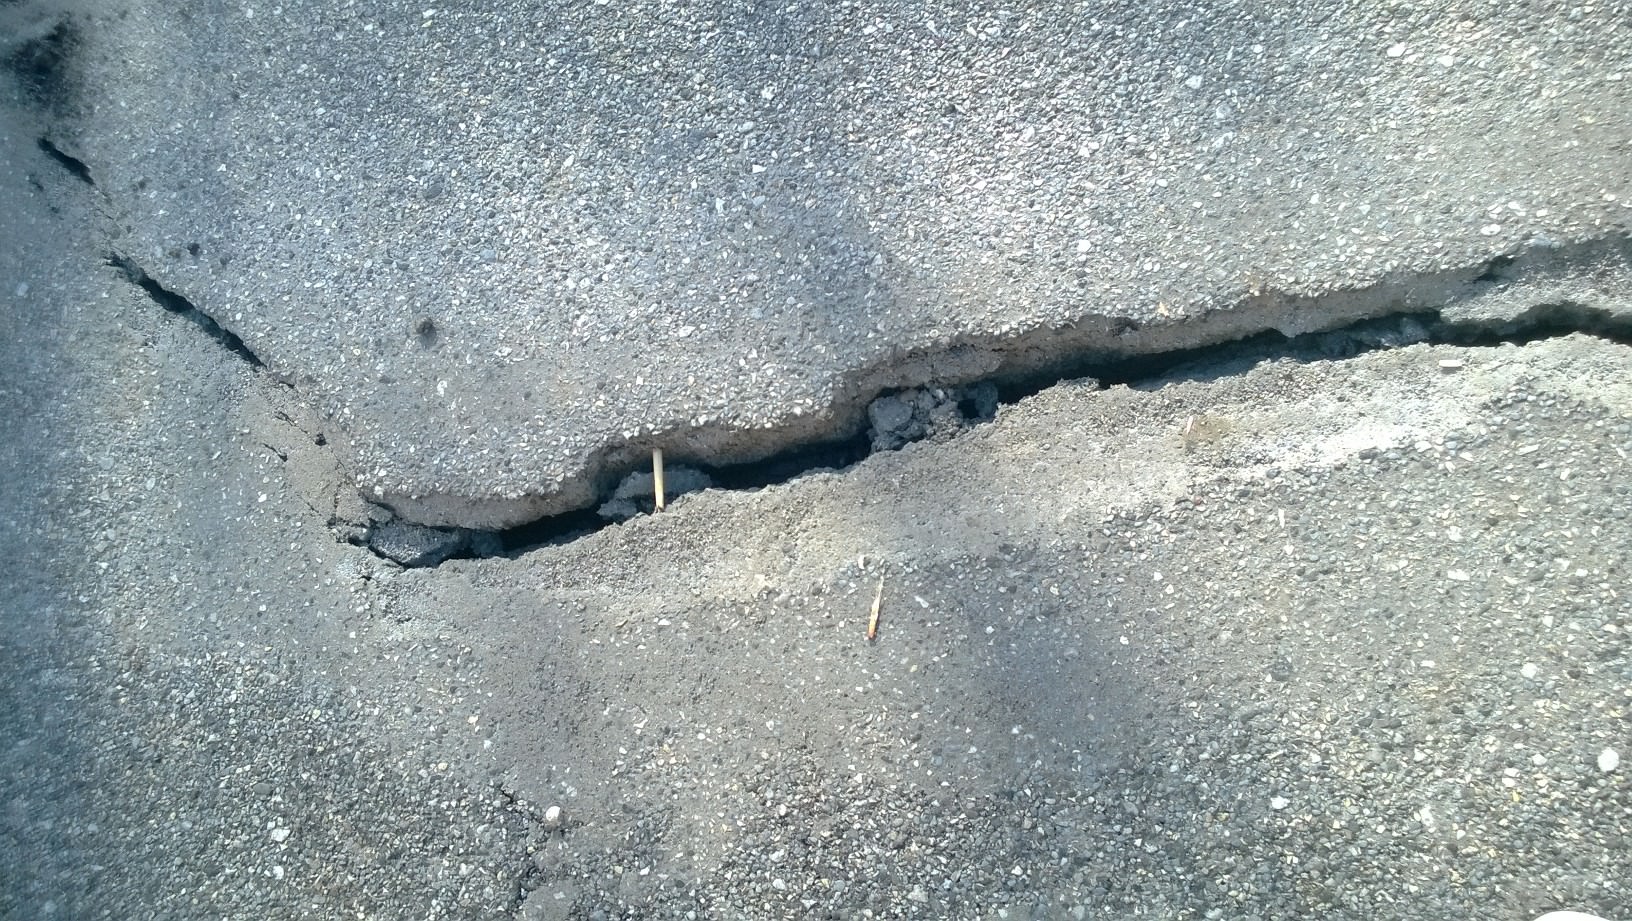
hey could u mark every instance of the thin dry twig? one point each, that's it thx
(657, 478)
(878, 601)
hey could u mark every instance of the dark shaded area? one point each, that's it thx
(43, 68)
(1211, 362)
(181, 306)
(1543, 321)
(545, 532)
(75, 166)
(1495, 270)
(827, 455)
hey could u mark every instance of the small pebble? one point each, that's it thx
(554, 818)
(1608, 760)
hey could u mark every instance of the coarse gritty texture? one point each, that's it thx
(1330, 640)
(1341, 639)
(722, 228)
(178, 741)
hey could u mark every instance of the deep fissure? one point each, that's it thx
(1545, 321)
(182, 307)
(413, 546)
(43, 69)
(73, 165)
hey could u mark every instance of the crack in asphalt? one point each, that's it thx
(1543, 321)
(73, 165)
(1100, 351)
(182, 307)
(952, 408)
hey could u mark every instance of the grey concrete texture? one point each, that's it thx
(173, 734)
(509, 249)
(1340, 639)
(1345, 639)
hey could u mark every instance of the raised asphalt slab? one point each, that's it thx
(509, 251)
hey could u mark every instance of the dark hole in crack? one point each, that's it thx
(1543, 321)
(181, 306)
(75, 166)
(545, 532)
(1101, 371)
(1495, 270)
(1211, 362)
(780, 468)
(554, 530)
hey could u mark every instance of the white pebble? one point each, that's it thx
(1529, 670)
(553, 818)
(280, 835)
(1608, 760)
(1279, 803)
(1396, 50)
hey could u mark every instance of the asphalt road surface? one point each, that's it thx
(1333, 626)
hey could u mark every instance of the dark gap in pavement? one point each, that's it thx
(827, 455)
(75, 166)
(1102, 371)
(181, 306)
(899, 416)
